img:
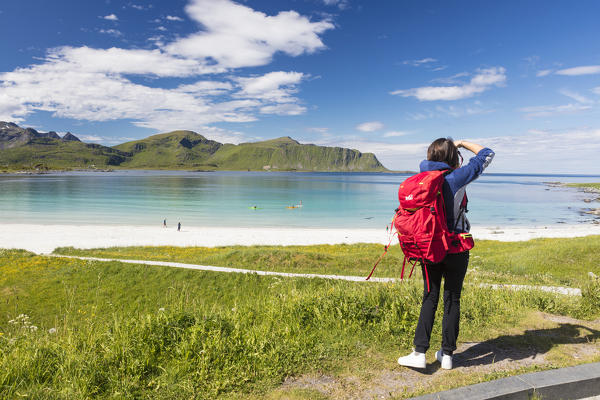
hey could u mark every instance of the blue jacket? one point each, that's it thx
(455, 185)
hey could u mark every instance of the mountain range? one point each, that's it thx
(28, 149)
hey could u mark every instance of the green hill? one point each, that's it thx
(178, 150)
(28, 149)
(286, 154)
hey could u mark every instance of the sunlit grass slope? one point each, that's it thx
(178, 149)
(46, 153)
(83, 329)
(287, 154)
(540, 262)
(186, 149)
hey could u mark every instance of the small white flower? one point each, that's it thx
(162, 309)
(33, 328)
(52, 330)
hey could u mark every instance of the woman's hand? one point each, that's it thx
(473, 147)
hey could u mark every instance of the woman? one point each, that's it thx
(443, 154)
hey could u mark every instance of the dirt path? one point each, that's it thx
(556, 341)
(552, 289)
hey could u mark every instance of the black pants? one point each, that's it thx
(453, 270)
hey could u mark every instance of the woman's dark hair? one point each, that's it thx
(443, 150)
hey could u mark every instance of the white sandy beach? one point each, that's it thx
(45, 238)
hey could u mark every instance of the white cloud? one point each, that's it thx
(94, 138)
(100, 95)
(575, 96)
(206, 88)
(237, 36)
(596, 90)
(548, 111)
(371, 126)
(544, 72)
(569, 151)
(341, 4)
(123, 61)
(112, 32)
(480, 82)
(320, 130)
(110, 17)
(451, 80)
(395, 133)
(581, 104)
(489, 77)
(283, 109)
(583, 70)
(161, 28)
(158, 40)
(173, 18)
(99, 85)
(416, 63)
(450, 111)
(275, 86)
(11, 109)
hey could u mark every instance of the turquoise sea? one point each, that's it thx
(332, 200)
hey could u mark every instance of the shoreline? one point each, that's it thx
(40, 238)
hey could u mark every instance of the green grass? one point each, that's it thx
(178, 149)
(132, 331)
(595, 186)
(54, 154)
(563, 262)
(286, 154)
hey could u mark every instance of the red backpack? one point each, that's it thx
(420, 223)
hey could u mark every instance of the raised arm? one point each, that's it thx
(472, 147)
(468, 173)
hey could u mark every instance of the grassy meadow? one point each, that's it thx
(561, 262)
(593, 186)
(86, 329)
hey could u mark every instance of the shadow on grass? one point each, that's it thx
(530, 344)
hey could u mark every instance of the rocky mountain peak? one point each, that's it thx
(70, 137)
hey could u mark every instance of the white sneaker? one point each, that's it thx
(444, 359)
(414, 359)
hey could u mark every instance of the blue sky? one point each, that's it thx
(381, 76)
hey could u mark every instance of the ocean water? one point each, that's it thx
(329, 200)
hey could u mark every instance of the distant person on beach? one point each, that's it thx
(165, 223)
(443, 154)
(178, 226)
